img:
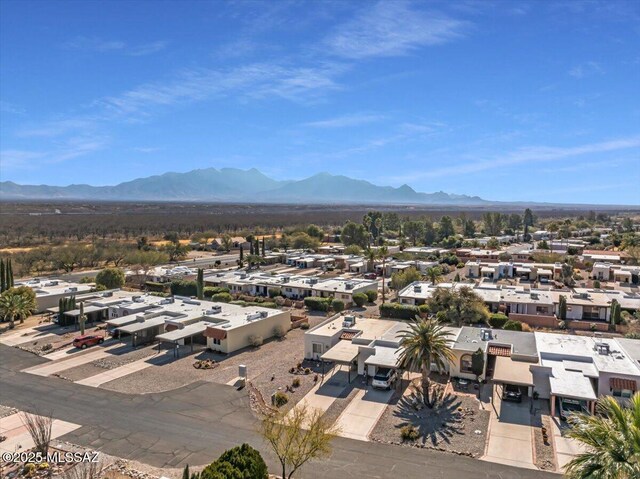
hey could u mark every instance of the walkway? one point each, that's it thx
(566, 448)
(362, 413)
(97, 352)
(510, 438)
(18, 437)
(125, 370)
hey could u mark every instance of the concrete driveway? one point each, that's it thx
(323, 394)
(510, 439)
(362, 413)
(566, 448)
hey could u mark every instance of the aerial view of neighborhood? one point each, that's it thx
(290, 239)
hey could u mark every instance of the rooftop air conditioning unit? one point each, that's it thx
(485, 334)
(264, 314)
(602, 348)
(348, 321)
(313, 280)
(214, 310)
(417, 288)
(349, 286)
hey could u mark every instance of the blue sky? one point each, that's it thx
(505, 100)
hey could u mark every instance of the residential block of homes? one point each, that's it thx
(50, 291)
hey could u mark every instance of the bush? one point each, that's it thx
(273, 292)
(155, 287)
(184, 288)
(110, 278)
(279, 332)
(398, 311)
(240, 462)
(409, 433)
(513, 326)
(359, 299)
(497, 320)
(337, 305)
(305, 325)
(221, 298)
(313, 303)
(209, 291)
(562, 325)
(296, 382)
(596, 284)
(372, 295)
(424, 309)
(255, 340)
(86, 279)
(280, 399)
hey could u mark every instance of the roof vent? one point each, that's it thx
(485, 335)
(602, 349)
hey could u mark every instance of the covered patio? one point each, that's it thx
(94, 313)
(178, 337)
(515, 373)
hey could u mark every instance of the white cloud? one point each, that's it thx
(69, 149)
(355, 119)
(147, 149)
(93, 44)
(536, 154)
(392, 28)
(586, 69)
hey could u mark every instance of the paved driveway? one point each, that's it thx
(322, 395)
(566, 449)
(362, 413)
(510, 436)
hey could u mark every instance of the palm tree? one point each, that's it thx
(14, 306)
(426, 342)
(434, 274)
(370, 255)
(612, 439)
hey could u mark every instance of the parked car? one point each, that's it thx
(511, 393)
(384, 378)
(370, 276)
(82, 342)
(570, 406)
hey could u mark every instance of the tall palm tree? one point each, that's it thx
(426, 342)
(434, 274)
(370, 255)
(612, 439)
(14, 306)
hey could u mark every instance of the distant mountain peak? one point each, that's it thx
(236, 185)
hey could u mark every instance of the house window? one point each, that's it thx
(216, 341)
(621, 393)
(317, 348)
(465, 364)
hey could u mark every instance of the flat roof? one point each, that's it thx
(370, 328)
(144, 325)
(186, 332)
(508, 371)
(92, 308)
(343, 352)
(384, 357)
(569, 383)
(522, 343)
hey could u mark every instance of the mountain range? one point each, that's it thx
(236, 185)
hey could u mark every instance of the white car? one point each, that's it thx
(384, 378)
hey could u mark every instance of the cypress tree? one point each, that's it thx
(263, 247)
(3, 284)
(257, 250)
(185, 472)
(9, 272)
(241, 253)
(251, 247)
(200, 283)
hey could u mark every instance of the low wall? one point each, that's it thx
(534, 320)
(551, 322)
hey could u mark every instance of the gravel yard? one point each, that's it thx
(268, 369)
(99, 366)
(544, 454)
(452, 425)
(43, 343)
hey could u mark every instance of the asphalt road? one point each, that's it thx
(196, 423)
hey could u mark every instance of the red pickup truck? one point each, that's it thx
(82, 342)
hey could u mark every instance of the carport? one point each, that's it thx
(92, 312)
(383, 357)
(515, 373)
(178, 337)
(145, 331)
(343, 353)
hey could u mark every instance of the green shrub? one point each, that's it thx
(513, 326)
(409, 433)
(242, 462)
(255, 340)
(596, 284)
(497, 320)
(314, 303)
(181, 287)
(296, 382)
(337, 305)
(280, 399)
(110, 278)
(372, 295)
(398, 311)
(221, 297)
(359, 299)
(424, 309)
(211, 290)
(154, 287)
(305, 325)
(273, 292)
